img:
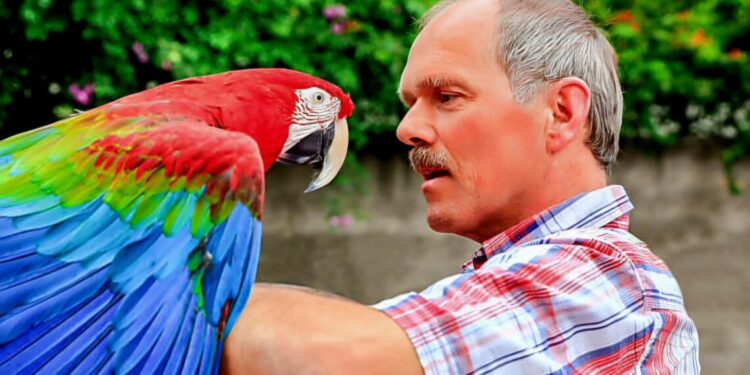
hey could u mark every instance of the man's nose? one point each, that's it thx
(416, 128)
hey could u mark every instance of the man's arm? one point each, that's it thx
(293, 330)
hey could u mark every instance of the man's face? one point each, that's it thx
(482, 154)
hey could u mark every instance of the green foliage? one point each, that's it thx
(187, 38)
(685, 72)
(684, 64)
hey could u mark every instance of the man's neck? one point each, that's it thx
(567, 178)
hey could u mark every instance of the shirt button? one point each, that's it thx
(480, 257)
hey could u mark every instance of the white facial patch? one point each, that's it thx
(315, 110)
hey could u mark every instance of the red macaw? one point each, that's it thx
(130, 234)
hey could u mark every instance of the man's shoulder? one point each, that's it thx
(651, 274)
(614, 242)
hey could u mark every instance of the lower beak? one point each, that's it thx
(334, 154)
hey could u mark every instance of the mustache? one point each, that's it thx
(424, 157)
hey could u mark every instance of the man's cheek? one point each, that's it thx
(491, 180)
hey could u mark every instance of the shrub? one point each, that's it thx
(684, 64)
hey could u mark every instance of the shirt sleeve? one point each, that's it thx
(542, 309)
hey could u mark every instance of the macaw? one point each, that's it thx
(130, 234)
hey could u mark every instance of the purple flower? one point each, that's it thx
(333, 12)
(338, 28)
(140, 52)
(342, 221)
(83, 95)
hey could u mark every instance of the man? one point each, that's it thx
(514, 115)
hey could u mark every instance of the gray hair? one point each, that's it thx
(540, 41)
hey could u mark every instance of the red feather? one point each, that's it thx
(256, 102)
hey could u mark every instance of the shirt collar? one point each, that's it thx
(608, 206)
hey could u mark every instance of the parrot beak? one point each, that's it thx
(334, 146)
(324, 149)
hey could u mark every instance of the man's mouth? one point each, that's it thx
(431, 164)
(431, 173)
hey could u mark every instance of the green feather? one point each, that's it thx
(180, 214)
(149, 209)
(25, 140)
(201, 224)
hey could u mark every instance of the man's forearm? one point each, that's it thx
(293, 330)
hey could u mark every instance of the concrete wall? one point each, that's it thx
(683, 210)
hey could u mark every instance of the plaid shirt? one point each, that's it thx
(567, 291)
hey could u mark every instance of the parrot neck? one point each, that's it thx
(266, 120)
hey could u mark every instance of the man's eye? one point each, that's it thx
(445, 98)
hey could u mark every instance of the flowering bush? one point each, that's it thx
(102, 50)
(684, 64)
(685, 72)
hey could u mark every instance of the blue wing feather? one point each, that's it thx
(18, 244)
(229, 260)
(15, 349)
(60, 349)
(195, 348)
(28, 290)
(64, 288)
(209, 351)
(156, 363)
(132, 318)
(51, 216)
(137, 357)
(121, 355)
(14, 209)
(130, 254)
(23, 264)
(179, 246)
(96, 251)
(251, 268)
(87, 289)
(98, 358)
(21, 319)
(30, 265)
(105, 367)
(73, 233)
(176, 356)
(143, 261)
(7, 228)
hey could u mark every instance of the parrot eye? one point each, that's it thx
(318, 98)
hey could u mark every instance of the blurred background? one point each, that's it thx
(686, 133)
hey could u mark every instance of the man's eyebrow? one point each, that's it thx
(436, 82)
(431, 82)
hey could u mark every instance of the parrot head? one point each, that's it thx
(295, 118)
(318, 134)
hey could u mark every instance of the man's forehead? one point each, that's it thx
(464, 33)
(457, 9)
(464, 18)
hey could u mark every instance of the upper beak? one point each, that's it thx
(335, 154)
(324, 149)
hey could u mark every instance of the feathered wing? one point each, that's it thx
(127, 243)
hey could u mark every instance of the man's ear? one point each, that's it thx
(570, 101)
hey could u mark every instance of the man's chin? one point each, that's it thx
(440, 222)
(454, 222)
